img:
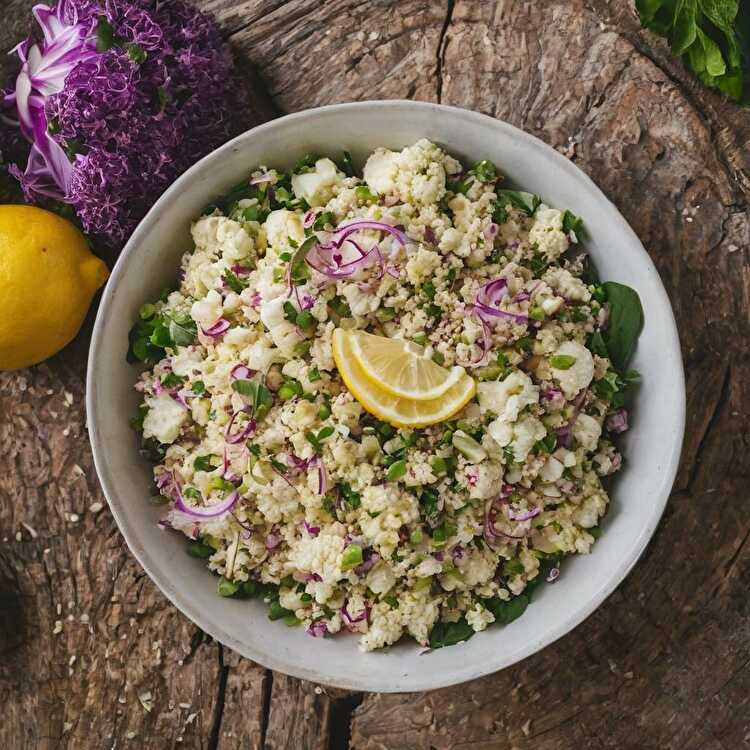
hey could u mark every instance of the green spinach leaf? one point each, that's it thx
(625, 323)
(450, 633)
(507, 611)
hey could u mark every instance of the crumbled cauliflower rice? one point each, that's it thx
(242, 403)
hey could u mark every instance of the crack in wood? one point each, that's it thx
(340, 725)
(736, 556)
(266, 706)
(213, 736)
(710, 425)
(441, 46)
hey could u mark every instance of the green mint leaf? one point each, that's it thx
(527, 202)
(233, 282)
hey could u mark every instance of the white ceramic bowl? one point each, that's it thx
(652, 446)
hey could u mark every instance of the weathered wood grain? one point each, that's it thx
(665, 662)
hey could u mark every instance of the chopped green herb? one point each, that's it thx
(227, 587)
(277, 612)
(364, 194)
(324, 219)
(199, 550)
(203, 463)
(485, 171)
(352, 557)
(305, 164)
(513, 568)
(439, 465)
(562, 361)
(396, 471)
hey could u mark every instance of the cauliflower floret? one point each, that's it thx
(217, 233)
(208, 310)
(360, 303)
(260, 355)
(479, 617)
(484, 480)
(418, 610)
(577, 376)
(281, 225)
(552, 470)
(479, 568)
(590, 510)
(320, 554)
(234, 241)
(567, 285)
(164, 419)
(587, 431)
(393, 510)
(421, 266)
(451, 240)
(415, 174)
(508, 397)
(283, 333)
(380, 171)
(381, 578)
(522, 434)
(385, 627)
(264, 283)
(317, 187)
(188, 361)
(547, 232)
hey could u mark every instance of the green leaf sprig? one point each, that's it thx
(711, 36)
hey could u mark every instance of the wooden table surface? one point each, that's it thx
(93, 656)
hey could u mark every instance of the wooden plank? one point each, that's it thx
(664, 663)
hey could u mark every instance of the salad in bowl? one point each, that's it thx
(385, 401)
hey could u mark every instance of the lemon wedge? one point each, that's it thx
(396, 410)
(400, 367)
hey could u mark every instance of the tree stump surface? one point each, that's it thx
(93, 656)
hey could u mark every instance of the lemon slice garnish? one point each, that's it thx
(401, 368)
(396, 410)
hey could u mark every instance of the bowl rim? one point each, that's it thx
(268, 659)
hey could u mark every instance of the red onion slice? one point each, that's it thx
(243, 433)
(367, 564)
(348, 619)
(322, 475)
(355, 226)
(490, 231)
(617, 423)
(525, 515)
(241, 372)
(311, 530)
(317, 630)
(219, 328)
(211, 511)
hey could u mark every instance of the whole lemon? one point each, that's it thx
(48, 277)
